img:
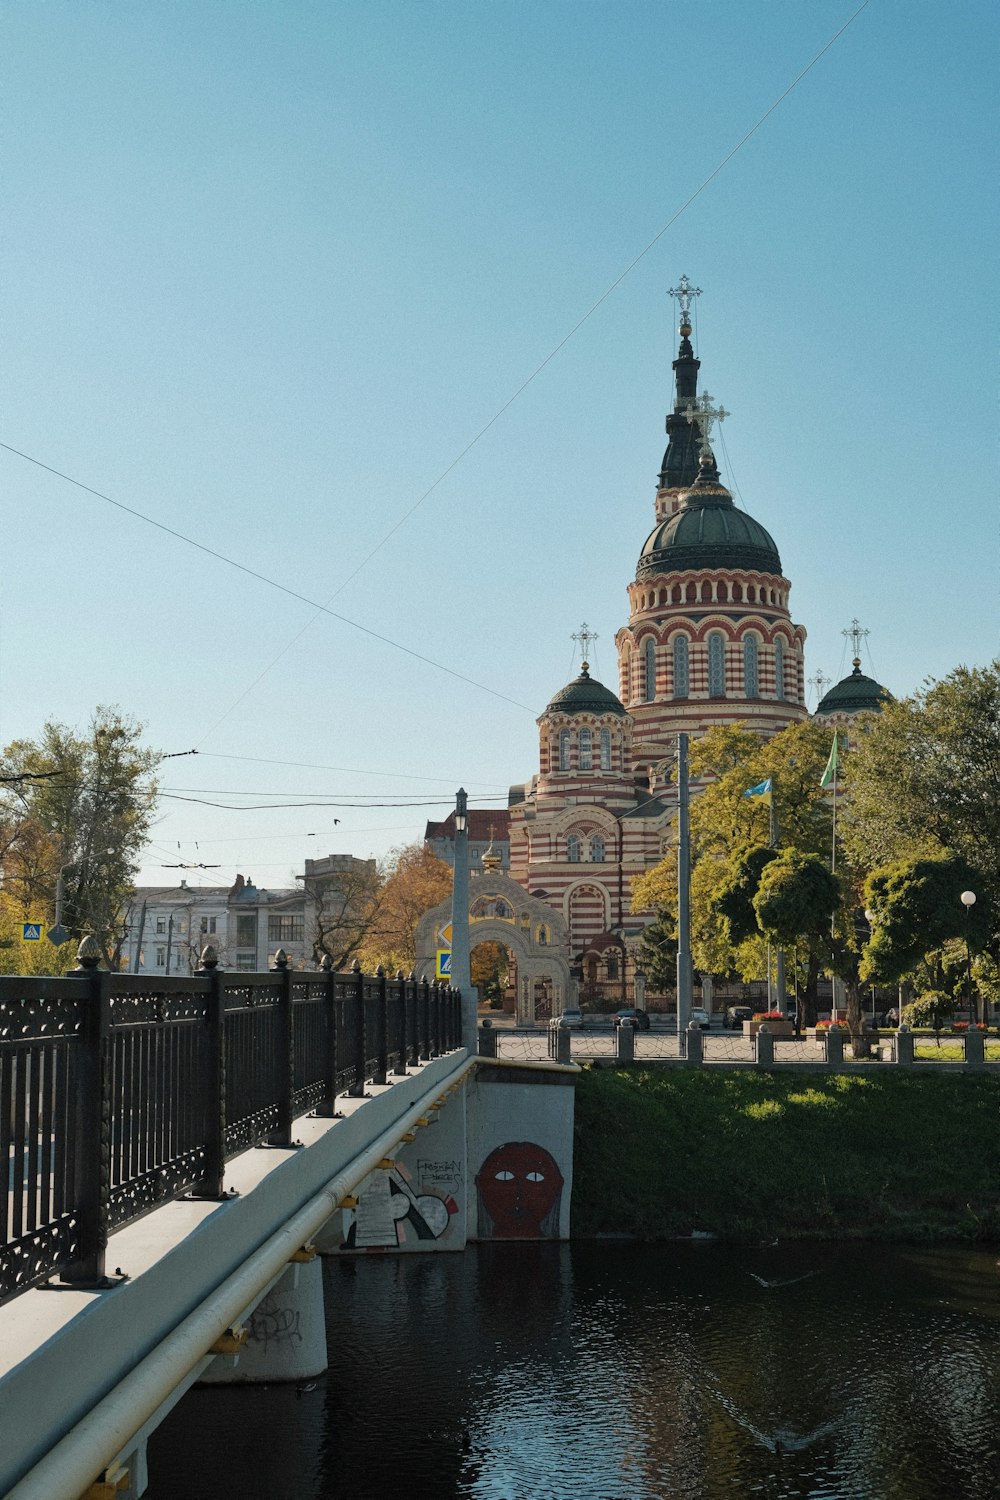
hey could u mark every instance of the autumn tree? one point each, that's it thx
(414, 880)
(344, 904)
(77, 806)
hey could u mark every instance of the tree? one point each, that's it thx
(658, 953)
(924, 779)
(79, 806)
(344, 907)
(920, 922)
(795, 897)
(415, 880)
(19, 957)
(490, 964)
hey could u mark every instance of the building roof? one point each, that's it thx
(584, 695)
(856, 694)
(484, 823)
(708, 532)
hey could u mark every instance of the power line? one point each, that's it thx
(324, 608)
(321, 609)
(306, 765)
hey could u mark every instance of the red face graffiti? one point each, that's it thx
(519, 1186)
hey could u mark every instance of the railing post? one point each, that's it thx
(695, 1045)
(834, 1047)
(434, 1017)
(400, 1068)
(357, 1000)
(92, 1125)
(975, 1049)
(902, 1051)
(625, 1043)
(381, 1027)
(282, 1136)
(327, 1107)
(413, 1005)
(764, 1051)
(424, 1028)
(487, 1039)
(212, 1184)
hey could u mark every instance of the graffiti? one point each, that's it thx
(271, 1324)
(439, 1173)
(519, 1193)
(390, 1214)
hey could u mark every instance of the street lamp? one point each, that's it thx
(461, 972)
(968, 900)
(870, 919)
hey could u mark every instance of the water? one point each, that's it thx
(622, 1372)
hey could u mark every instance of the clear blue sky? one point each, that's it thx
(268, 268)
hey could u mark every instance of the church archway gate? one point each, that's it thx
(542, 966)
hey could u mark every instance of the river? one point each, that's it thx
(616, 1371)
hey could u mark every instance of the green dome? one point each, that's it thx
(708, 532)
(585, 696)
(856, 694)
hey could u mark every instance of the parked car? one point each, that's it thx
(639, 1018)
(735, 1015)
(702, 1017)
(572, 1019)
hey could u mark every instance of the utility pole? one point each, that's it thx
(684, 974)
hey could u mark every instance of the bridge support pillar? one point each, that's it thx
(286, 1333)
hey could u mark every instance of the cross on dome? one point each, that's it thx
(855, 634)
(820, 683)
(702, 411)
(684, 292)
(583, 637)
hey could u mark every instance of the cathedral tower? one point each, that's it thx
(710, 639)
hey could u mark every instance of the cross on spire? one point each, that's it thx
(702, 411)
(820, 683)
(583, 637)
(855, 634)
(684, 292)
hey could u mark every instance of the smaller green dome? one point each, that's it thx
(856, 694)
(585, 696)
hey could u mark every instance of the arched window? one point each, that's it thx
(543, 936)
(650, 658)
(596, 849)
(573, 849)
(682, 675)
(751, 674)
(706, 593)
(723, 593)
(716, 665)
(779, 668)
(605, 749)
(564, 749)
(611, 963)
(586, 750)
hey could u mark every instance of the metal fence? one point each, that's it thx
(120, 1091)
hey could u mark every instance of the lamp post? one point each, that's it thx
(968, 900)
(870, 919)
(461, 971)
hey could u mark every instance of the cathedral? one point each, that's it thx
(710, 640)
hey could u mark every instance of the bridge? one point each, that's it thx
(181, 1152)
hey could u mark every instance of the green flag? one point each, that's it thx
(830, 774)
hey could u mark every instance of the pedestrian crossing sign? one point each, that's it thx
(444, 963)
(31, 932)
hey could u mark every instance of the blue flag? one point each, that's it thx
(762, 789)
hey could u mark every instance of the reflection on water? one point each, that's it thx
(622, 1372)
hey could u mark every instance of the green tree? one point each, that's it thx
(920, 921)
(795, 898)
(924, 779)
(79, 806)
(658, 953)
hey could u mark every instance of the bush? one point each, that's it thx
(935, 1008)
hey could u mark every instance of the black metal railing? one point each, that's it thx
(120, 1091)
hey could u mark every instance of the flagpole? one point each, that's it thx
(779, 957)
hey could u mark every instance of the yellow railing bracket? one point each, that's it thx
(230, 1342)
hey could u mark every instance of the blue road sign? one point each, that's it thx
(31, 932)
(443, 963)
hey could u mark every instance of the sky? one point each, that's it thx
(313, 286)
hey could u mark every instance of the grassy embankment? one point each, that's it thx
(750, 1156)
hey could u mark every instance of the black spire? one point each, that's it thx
(680, 462)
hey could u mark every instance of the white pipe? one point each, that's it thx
(85, 1452)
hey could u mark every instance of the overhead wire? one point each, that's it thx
(321, 609)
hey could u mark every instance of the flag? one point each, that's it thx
(831, 766)
(762, 789)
